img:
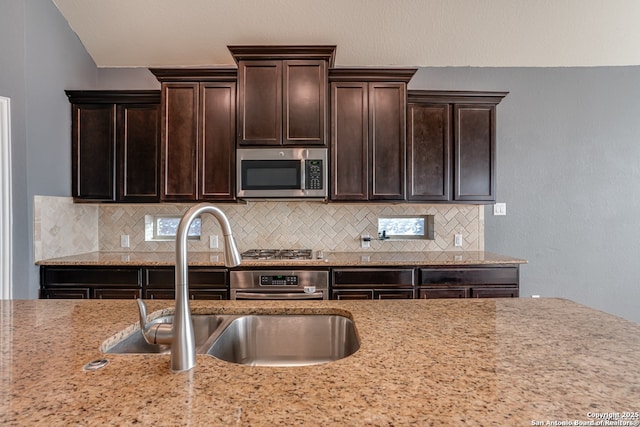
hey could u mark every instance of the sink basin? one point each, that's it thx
(260, 340)
(204, 325)
(285, 340)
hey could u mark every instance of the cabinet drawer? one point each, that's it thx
(494, 292)
(117, 293)
(209, 295)
(350, 294)
(469, 276)
(65, 293)
(443, 292)
(198, 278)
(221, 294)
(393, 294)
(66, 277)
(373, 277)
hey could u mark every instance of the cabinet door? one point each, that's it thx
(443, 292)
(494, 292)
(428, 152)
(179, 141)
(159, 294)
(209, 295)
(349, 141)
(259, 102)
(114, 293)
(474, 152)
(93, 148)
(217, 141)
(74, 293)
(393, 294)
(305, 102)
(387, 130)
(351, 294)
(138, 152)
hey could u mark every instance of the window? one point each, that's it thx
(162, 227)
(406, 227)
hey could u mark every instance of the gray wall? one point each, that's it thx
(569, 171)
(568, 156)
(39, 57)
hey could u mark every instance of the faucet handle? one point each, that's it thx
(158, 333)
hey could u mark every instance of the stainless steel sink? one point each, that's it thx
(260, 340)
(285, 340)
(204, 325)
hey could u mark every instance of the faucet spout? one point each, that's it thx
(183, 352)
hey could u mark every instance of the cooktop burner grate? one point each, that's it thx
(254, 254)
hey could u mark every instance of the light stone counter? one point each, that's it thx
(330, 259)
(505, 362)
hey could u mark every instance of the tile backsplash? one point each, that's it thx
(277, 224)
(61, 227)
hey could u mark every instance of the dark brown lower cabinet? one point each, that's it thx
(62, 282)
(58, 282)
(469, 282)
(347, 283)
(204, 283)
(372, 283)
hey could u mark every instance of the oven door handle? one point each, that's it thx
(279, 295)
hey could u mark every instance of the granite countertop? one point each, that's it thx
(473, 362)
(330, 259)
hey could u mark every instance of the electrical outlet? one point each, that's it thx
(124, 240)
(457, 240)
(500, 209)
(213, 241)
(365, 241)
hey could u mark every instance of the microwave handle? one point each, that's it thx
(303, 175)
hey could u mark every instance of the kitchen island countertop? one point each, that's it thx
(421, 362)
(330, 259)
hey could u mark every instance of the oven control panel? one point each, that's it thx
(279, 280)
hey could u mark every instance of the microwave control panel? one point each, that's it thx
(313, 173)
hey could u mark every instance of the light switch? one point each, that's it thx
(213, 241)
(500, 209)
(457, 240)
(124, 240)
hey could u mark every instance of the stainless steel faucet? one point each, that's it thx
(179, 334)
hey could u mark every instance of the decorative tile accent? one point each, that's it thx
(63, 228)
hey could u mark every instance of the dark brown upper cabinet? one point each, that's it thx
(282, 94)
(451, 144)
(368, 128)
(115, 145)
(198, 134)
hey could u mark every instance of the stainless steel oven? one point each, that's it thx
(279, 284)
(282, 172)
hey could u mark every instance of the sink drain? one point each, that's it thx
(94, 365)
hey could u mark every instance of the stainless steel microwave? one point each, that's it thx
(282, 172)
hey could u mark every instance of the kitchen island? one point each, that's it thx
(421, 362)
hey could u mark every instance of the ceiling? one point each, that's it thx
(506, 33)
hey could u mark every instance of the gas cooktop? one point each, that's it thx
(275, 254)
